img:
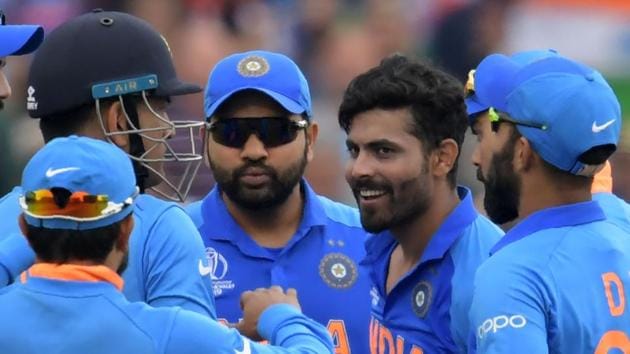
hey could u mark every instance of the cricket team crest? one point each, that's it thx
(253, 66)
(217, 269)
(338, 270)
(421, 298)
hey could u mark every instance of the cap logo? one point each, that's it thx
(253, 66)
(50, 173)
(31, 102)
(598, 128)
(470, 83)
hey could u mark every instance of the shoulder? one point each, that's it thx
(10, 200)
(340, 213)
(476, 241)
(151, 210)
(194, 212)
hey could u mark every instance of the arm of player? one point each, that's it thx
(508, 312)
(287, 330)
(174, 259)
(15, 257)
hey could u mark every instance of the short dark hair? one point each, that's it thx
(65, 123)
(61, 245)
(435, 100)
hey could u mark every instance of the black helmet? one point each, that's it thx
(98, 47)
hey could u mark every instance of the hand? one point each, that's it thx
(254, 303)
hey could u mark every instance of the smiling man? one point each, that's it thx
(405, 123)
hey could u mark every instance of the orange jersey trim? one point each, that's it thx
(73, 272)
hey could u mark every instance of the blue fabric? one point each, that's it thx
(616, 209)
(554, 286)
(427, 309)
(20, 39)
(165, 253)
(329, 235)
(272, 73)
(57, 316)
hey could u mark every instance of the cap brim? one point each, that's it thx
(177, 88)
(473, 106)
(20, 39)
(287, 103)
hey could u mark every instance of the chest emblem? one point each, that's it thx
(217, 270)
(421, 298)
(338, 271)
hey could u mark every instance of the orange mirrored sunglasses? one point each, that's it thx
(80, 204)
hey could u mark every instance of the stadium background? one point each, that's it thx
(332, 41)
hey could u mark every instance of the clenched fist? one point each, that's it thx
(253, 303)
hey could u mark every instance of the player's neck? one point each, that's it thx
(539, 194)
(271, 227)
(415, 235)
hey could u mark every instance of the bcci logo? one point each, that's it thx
(217, 268)
(421, 298)
(338, 270)
(253, 66)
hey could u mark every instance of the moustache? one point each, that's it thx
(357, 185)
(261, 168)
(480, 176)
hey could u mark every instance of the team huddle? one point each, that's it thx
(93, 261)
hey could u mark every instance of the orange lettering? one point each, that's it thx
(337, 329)
(613, 340)
(374, 327)
(416, 350)
(608, 279)
(385, 337)
(400, 345)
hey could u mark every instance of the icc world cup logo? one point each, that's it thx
(217, 264)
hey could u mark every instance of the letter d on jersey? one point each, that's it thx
(499, 322)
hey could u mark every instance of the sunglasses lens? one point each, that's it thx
(272, 131)
(79, 204)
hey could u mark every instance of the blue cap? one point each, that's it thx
(19, 39)
(272, 73)
(81, 164)
(573, 102)
(486, 75)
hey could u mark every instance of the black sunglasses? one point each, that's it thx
(272, 131)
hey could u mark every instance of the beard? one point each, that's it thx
(272, 194)
(403, 206)
(502, 187)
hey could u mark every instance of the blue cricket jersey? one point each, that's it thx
(320, 261)
(166, 255)
(558, 283)
(616, 209)
(78, 309)
(427, 310)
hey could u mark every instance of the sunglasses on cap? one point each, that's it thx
(496, 118)
(272, 131)
(80, 206)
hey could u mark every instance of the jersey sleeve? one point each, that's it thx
(15, 257)
(509, 312)
(287, 330)
(174, 255)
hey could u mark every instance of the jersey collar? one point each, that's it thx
(449, 231)
(561, 216)
(73, 272)
(223, 227)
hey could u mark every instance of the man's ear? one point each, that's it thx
(524, 155)
(126, 226)
(312, 131)
(444, 157)
(115, 120)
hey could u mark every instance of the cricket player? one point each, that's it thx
(109, 75)
(557, 281)
(405, 123)
(14, 40)
(262, 223)
(79, 221)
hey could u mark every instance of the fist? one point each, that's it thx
(254, 303)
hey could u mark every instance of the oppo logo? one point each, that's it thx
(497, 323)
